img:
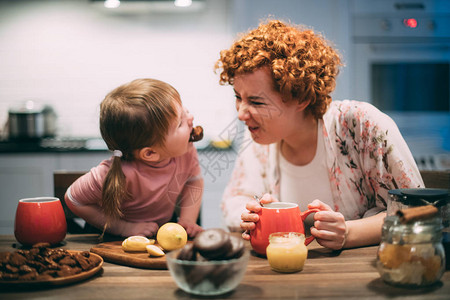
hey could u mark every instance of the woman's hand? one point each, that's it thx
(251, 217)
(330, 229)
(192, 228)
(148, 229)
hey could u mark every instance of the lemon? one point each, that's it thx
(154, 250)
(171, 236)
(136, 243)
(221, 144)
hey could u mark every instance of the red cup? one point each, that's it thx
(39, 220)
(278, 217)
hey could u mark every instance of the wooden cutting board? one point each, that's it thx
(112, 252)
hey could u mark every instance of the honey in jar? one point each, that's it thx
(287, 252)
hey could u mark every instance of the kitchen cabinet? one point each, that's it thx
(25, 175)
(217, 166)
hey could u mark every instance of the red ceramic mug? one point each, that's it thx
(39, 220)
(278, 217)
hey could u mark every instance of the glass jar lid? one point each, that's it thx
(421, 196)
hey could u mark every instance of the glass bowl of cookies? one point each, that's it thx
(213, 264)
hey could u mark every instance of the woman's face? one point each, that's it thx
(177, 139)
(260, 106)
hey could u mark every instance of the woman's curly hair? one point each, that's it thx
(304, 66)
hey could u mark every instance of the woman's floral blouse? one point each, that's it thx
(366, 157)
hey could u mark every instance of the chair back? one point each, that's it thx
(436, 179)
(61, 182)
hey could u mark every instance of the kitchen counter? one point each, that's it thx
(327, 275)
(75, 144)
(49, 145)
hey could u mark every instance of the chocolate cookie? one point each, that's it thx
(187, 252)
(221, 274)
(196, 134)
(237, 247)
(213, 244)
(197, 274)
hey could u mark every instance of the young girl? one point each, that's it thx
(154, 170)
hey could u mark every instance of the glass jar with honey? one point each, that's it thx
(287, 252)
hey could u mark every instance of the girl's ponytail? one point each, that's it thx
(114, 190)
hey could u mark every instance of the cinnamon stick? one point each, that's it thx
(416, 213)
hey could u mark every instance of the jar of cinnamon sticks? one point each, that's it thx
(411, 252)
(439, 198)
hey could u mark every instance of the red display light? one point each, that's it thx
(410, 23)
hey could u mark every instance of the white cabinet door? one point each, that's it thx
(217, 167)
(23, 176)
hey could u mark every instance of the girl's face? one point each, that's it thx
(177, 139)
(260, 106)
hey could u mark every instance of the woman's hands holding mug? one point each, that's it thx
(330, 229)
(251, 217)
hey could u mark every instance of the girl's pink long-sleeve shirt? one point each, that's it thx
(154, 190)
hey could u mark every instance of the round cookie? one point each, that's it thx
(196, 134)
(213, 244)
(187, 252)
(237, 247)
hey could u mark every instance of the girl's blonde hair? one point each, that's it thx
(303, 66)
(133, 116)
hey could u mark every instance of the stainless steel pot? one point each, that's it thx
(31, 121)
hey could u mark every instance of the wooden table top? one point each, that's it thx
(326, 275)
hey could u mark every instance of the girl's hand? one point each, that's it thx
(330, 229)
(148, 229)
(192, 228)
(251, 217)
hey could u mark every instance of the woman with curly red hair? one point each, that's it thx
(341, 157)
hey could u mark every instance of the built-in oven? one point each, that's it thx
(401, 64)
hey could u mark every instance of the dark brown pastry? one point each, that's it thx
(43, 263)
(83, 261)
(68, 261)
(213, 244)
(65, 271)
(196, 274)
(9, 276)
(16, 259)
(4, 257)
(28, 276)
(187, 252)
(44, 277)
(26, 269)
(41, 245)
(221, 274)
(237, 247)
(196, 134)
